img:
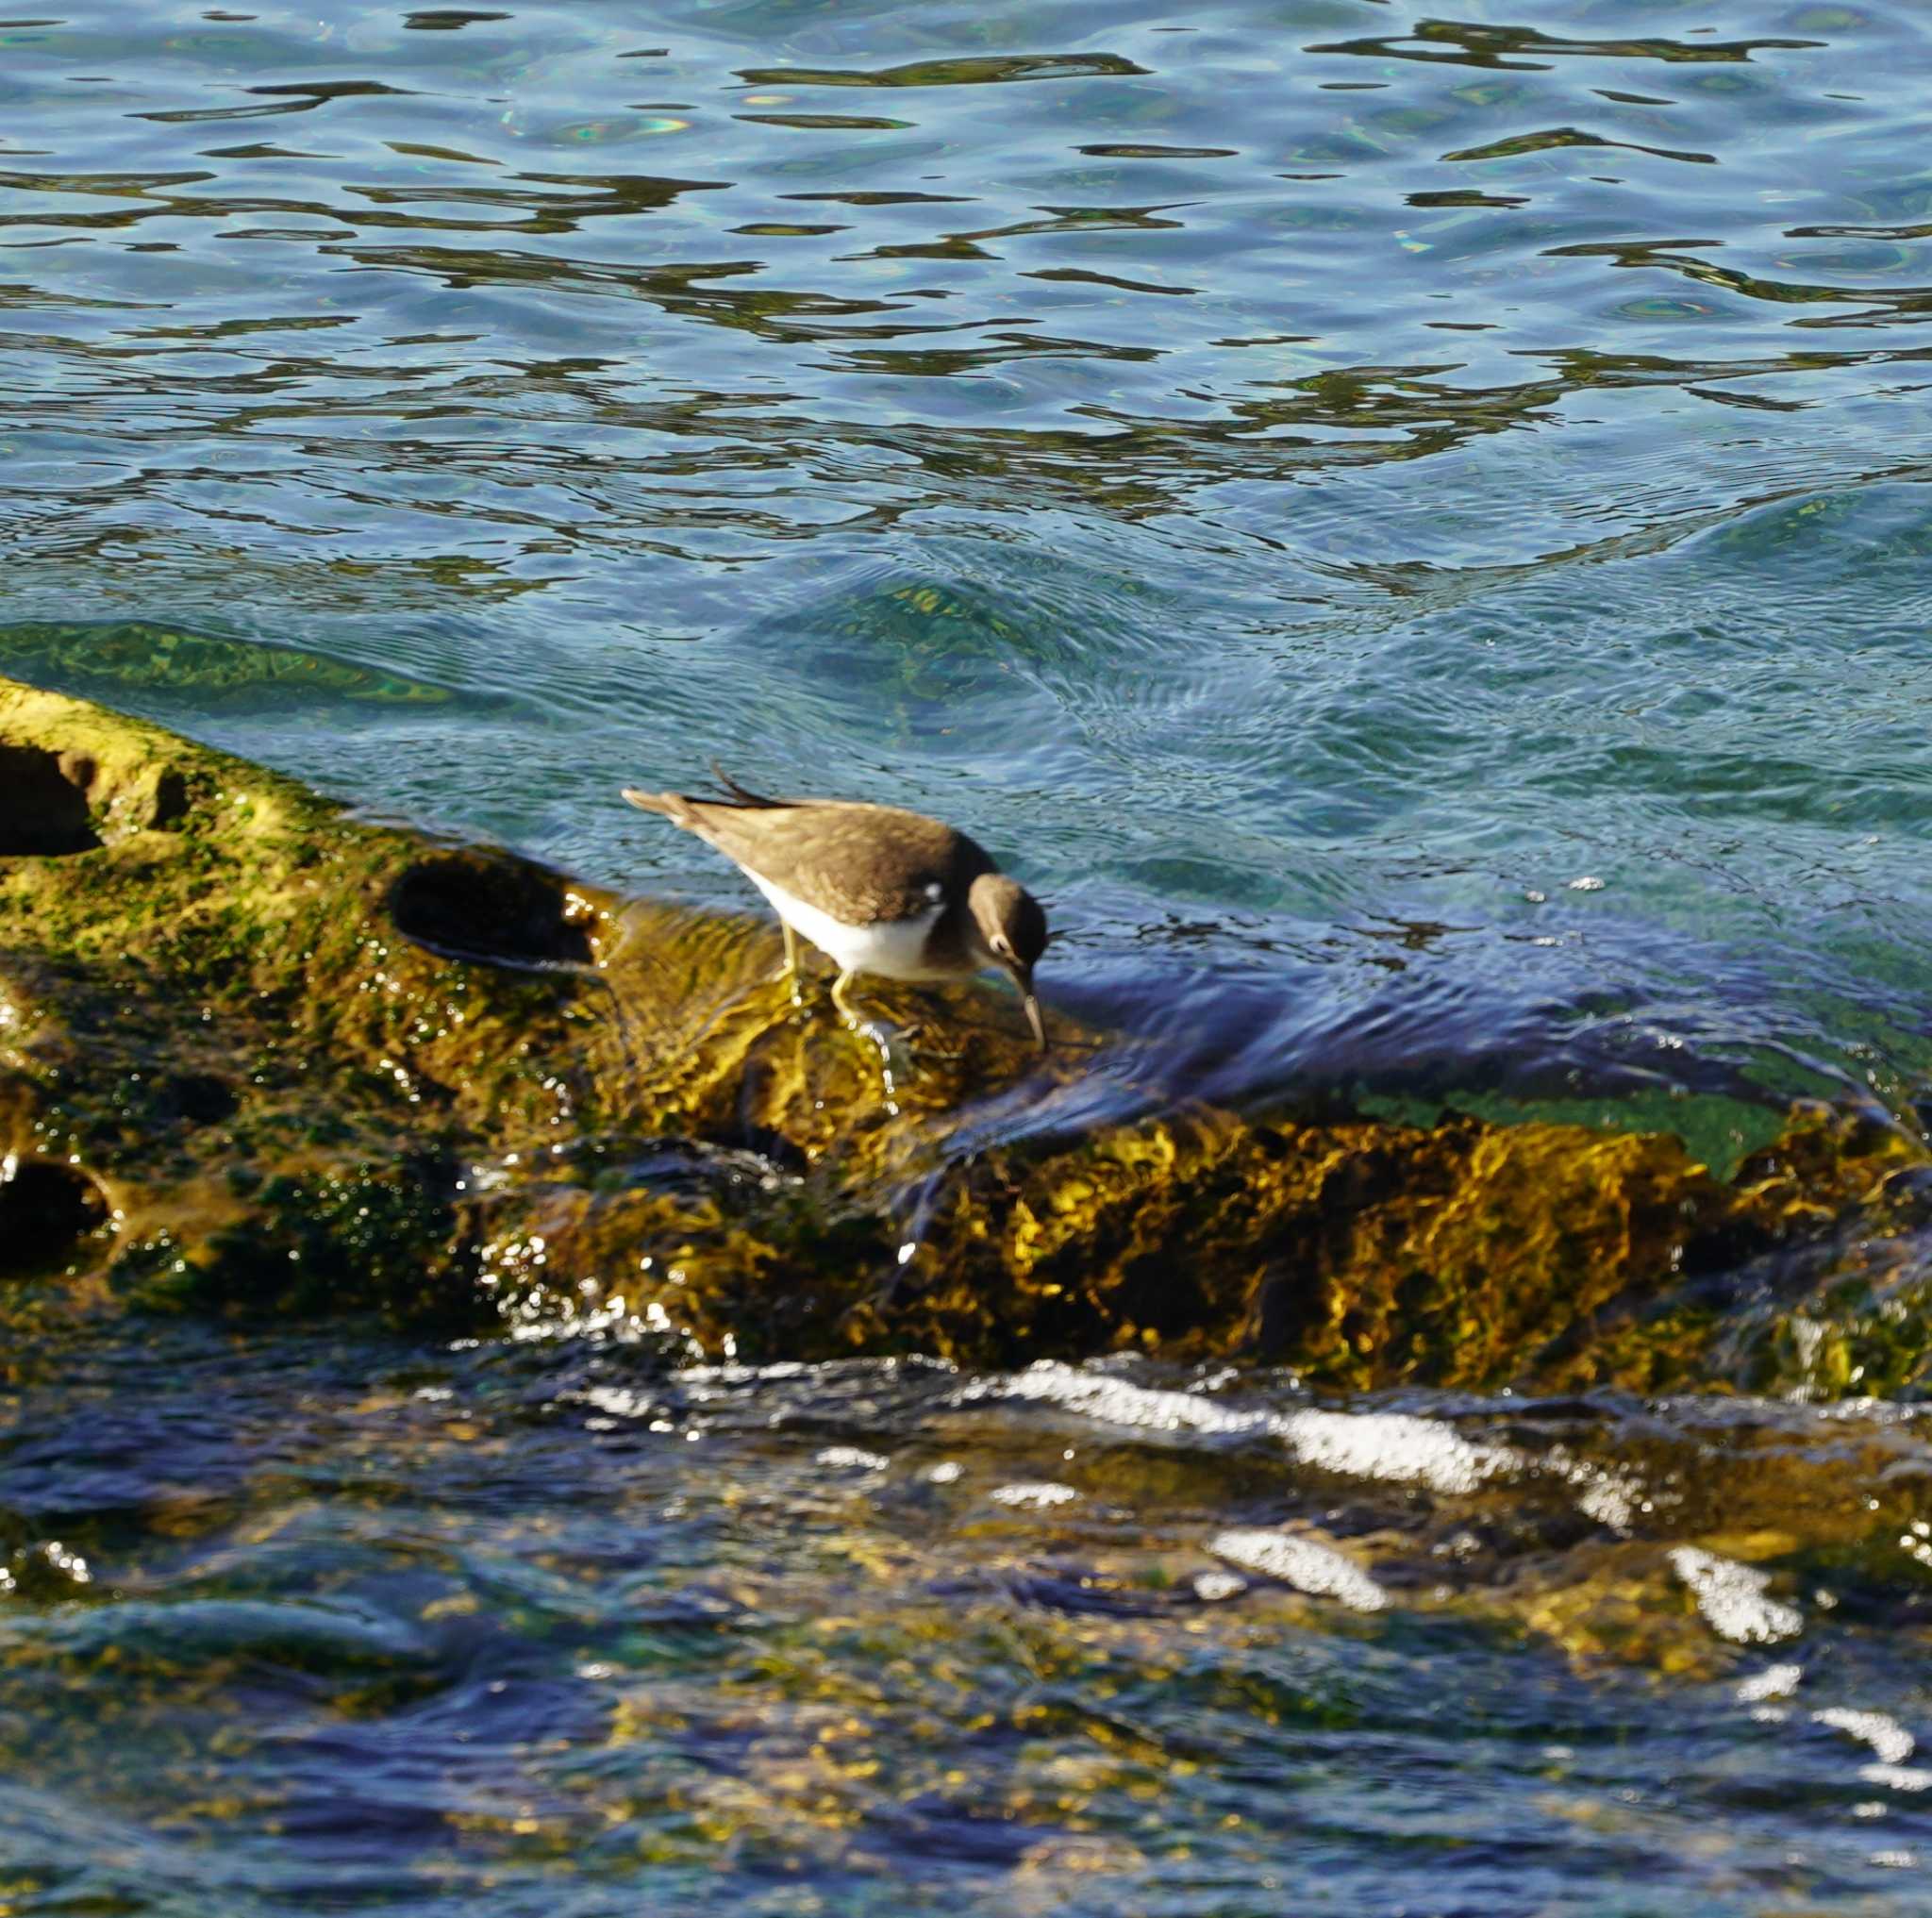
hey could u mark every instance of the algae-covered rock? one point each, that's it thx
(257, 1054)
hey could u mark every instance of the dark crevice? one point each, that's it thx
(46, 1210)
(480, 905)
(200, 1098)
(43, 803)
(171, 801)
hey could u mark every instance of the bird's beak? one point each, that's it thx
(1025, 980)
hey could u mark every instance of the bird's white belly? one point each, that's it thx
(892, 948)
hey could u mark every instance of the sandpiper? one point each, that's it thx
(876, 889)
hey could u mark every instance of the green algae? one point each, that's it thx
(286, 1062)
(133, 655)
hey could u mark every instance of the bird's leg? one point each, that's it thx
(847, 1011)
(880, 1031)
(787, 975)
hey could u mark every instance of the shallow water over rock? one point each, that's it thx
(396, 1625)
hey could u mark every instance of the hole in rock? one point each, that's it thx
(477, 906)
(45, 1212)
(199, 1097)
(42, 810)
(170, 806)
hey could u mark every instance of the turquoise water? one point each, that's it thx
(1412, 533)
(1297, 480)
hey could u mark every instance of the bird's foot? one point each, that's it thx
(921, 1046)
(793, 981)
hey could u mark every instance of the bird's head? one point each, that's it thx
(1012, 928)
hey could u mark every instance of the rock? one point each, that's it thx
(257, 1055)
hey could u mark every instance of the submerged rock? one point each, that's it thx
(255, 1054)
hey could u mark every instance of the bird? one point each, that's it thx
(876, 889)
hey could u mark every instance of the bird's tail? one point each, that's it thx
(674, 807)
(755, 800)
(679, 807)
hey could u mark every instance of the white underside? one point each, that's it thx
(892, 949)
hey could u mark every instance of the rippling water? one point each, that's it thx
(1304, 480)
(341, 1625)
(1411, 532)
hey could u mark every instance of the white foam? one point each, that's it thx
(742, 1375)
(1892, 1742)
(1210, 1588)
(1307, 1564)
(1116, 1402)
(1731, 1597)
(1900, 1778)
(1774, 1681)
(850, 1459)
(1394, 1446)
(1609, 1496)
(617, 1400)
(1040, 1496)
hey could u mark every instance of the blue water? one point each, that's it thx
(1411, 534)
(363, 1627)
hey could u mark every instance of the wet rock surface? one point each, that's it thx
(257, 1056)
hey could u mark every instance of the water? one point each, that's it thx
(368, 1627)
(1410, 533)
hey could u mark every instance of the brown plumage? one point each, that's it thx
(879, 889)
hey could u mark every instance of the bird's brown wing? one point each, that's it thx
(857, 862)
